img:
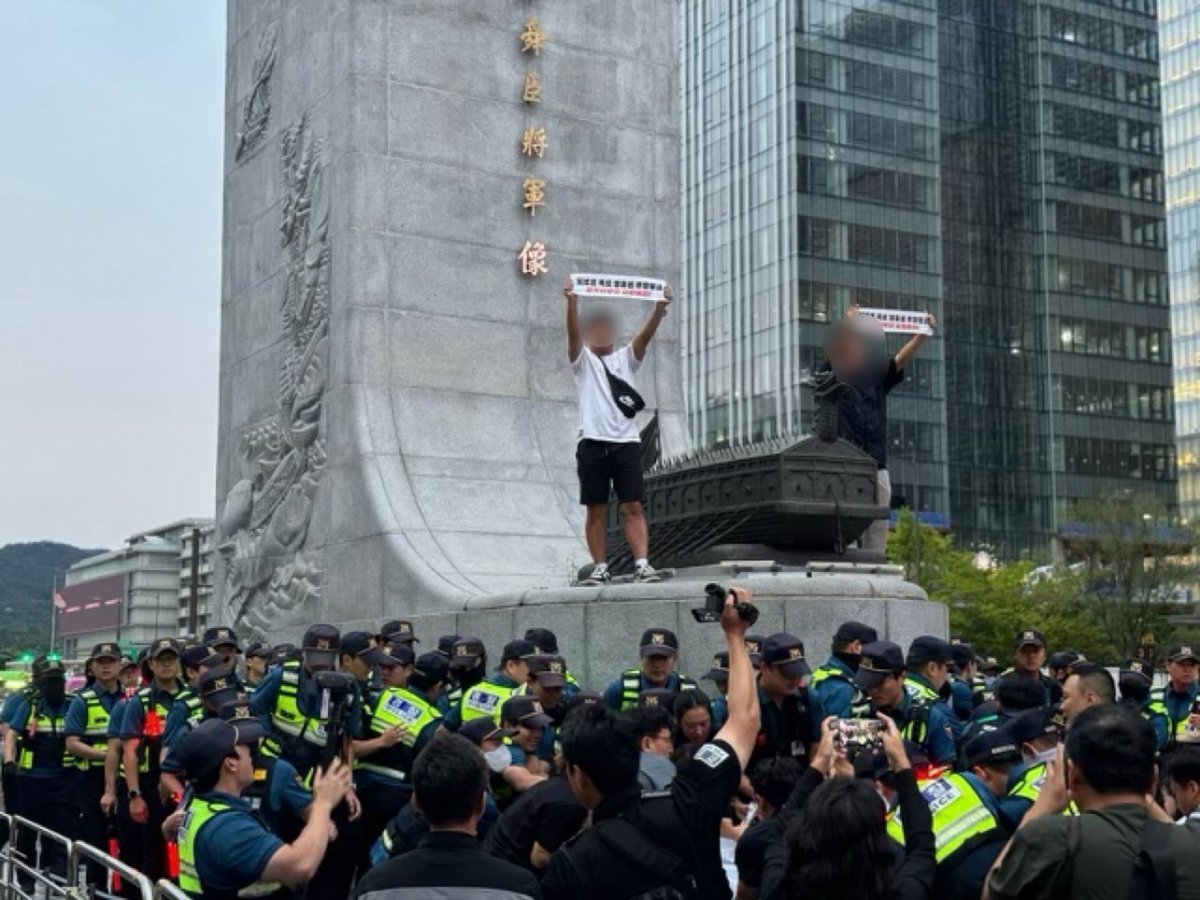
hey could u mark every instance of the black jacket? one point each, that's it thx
(444, 865)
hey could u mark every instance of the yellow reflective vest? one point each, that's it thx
(960, 815)
(397, 706)
(200, 811)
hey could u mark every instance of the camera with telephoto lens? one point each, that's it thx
(856, 735)
(714, 605)
(337, 690)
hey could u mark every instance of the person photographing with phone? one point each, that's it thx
(608, 455)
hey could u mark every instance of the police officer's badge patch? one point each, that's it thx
(711, 755)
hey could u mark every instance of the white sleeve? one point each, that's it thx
(578, 360)
(631, 359)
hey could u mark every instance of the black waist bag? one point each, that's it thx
(624, 394)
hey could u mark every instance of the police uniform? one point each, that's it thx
(546, 642)
(1051, 688)
(383, 778)
(88, 719)
(719, 676)
(1175, 705)
(224, 847)
(832, 685)
(485, 698)
(790, 725)
(927, 724)
(290, 702)
(968, 831)
(623, 692)
(46, 773)
(144, 720)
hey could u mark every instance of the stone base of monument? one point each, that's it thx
(598, 628)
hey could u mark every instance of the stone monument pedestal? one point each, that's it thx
(598, 628)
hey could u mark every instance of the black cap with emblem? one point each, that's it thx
(659, 642)
(879, 661)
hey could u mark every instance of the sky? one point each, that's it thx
(111, 164)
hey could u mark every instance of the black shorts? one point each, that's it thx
(604, 466)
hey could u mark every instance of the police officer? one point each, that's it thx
(1059, 663)
(36, 744)
(223, 847)
(189, 710)
(659, 649)
(791, 720)
(142, 729)
(486, 696)
(398, 723)
(967, 823)
(468, 667)
(451, 695)
(359, 657)
(832, 685)
(718, 674)
(546, 642)
(1134, 680)
(1030, 655)
(882, 674)
(257, 657)
(86, 729)
(298, 715)
(399, 631)
(276, 795)
(12, 703)
(1037, 733)
(962, 680)
(223, 642)
(1178, 696)
(548, 685)
(928, 664)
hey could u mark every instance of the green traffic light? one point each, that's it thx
(54, 657)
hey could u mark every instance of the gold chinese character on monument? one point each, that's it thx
(533, 88)
(535, 194)
(533, 257)
(533, 37)
(533, 142)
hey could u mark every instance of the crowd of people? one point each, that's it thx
(355, 765)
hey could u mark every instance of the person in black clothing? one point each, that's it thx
(449, 780)
(836, 846)
(664, 841)
(862, 421)
(772, 781)
(538, 823)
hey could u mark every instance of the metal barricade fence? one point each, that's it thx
(86, 857)
(31, 852)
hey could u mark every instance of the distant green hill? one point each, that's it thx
(26, 574)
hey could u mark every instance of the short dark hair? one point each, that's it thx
(449, 776)
(1113, 749)
(774, 779)
(1096, 679)
(1020, 694)
(1183, 764)
(648, 721)
(604, 745)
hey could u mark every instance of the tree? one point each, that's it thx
(990, 602)
(1135, 560)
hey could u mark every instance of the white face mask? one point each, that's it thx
(499, 759)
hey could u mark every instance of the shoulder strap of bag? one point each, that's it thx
(1154, 876)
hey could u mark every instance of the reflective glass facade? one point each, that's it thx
(1179, 37)
(997, 162)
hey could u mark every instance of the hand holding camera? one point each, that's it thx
(740, 614)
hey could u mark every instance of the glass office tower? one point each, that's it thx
(1179, 39)
(810, 184)
(997, 162)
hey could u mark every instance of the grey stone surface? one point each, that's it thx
(598, 628)
(444, 407)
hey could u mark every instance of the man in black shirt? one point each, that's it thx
(449, 782)
(667, 839)
(772, 781)
(538, 823)
(862, 420)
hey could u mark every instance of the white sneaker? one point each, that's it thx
(645, 574)
(597, 577)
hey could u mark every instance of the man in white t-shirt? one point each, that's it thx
(609, 455)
